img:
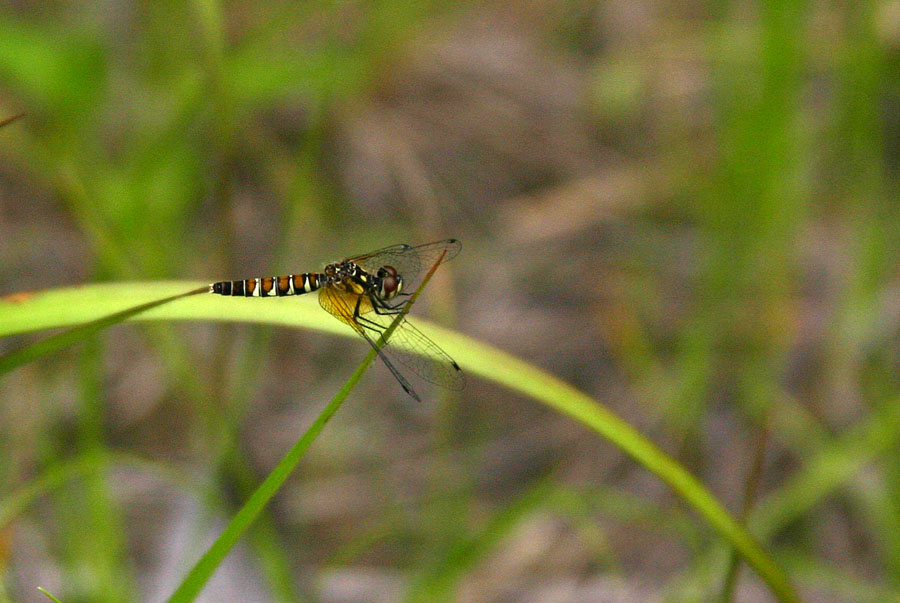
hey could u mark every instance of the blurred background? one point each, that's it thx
(686, 210)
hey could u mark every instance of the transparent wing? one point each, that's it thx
(409, 347)
(425, 359)
(409, 261)
(341, 304)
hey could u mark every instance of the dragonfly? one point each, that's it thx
(366, 292)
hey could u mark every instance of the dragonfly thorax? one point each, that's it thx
(340, 272)
(385, 284)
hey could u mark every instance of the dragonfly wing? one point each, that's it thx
(426, 359)
(341, 304)
(408, 260)
(407, 345)
(345, 306)
(410, 347)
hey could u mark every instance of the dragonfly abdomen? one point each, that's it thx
(269, 286)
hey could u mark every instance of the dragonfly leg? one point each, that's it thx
(385, 308)
(381, 309)
(368, 323)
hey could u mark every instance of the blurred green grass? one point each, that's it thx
(89, 309)
(144, 131)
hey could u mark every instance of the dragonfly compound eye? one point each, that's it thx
(391, 282)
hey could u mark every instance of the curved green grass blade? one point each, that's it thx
(65, 307)
(48, 595)
(76, 333)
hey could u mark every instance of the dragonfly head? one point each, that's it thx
(390, 283)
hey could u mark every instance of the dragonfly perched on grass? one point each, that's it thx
(366, 292)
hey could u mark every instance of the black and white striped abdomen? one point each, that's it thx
(269, 286)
